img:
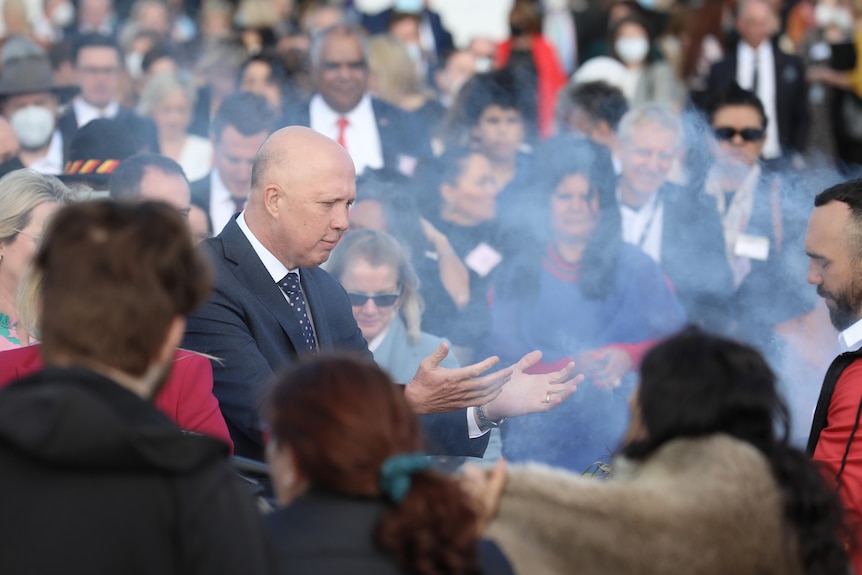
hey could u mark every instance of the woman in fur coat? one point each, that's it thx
(704, 483)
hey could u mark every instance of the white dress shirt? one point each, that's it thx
(85, 113)
(222, 206)
(642, 227)
(766, 85)
(360, 136)
(52, 163)
(276, 269)
(851, 338)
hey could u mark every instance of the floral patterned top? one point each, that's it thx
(9, 338)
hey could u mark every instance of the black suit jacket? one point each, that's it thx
(693, 254)
(402, 134)
(791, 95)
(143, 129)
(247, 325)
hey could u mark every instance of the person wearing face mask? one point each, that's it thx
(647, 80)
(29, 100)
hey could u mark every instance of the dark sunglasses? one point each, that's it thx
(747, 134)
(380, 300)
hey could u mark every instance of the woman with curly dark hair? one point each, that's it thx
(358, 495)
(707, 482)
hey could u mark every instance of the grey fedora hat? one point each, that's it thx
(26, 75)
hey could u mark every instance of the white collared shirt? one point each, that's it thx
(276, 269)
(642, 227)
(360, 136)
(52, 162)
(85, 113)
(222, 206)
(851, 338)
(766, 85)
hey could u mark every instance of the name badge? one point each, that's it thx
(483, 259)
(754, 247)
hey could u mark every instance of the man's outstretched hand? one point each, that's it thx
(436, 389)
(533, 393)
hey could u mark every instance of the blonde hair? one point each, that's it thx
(380, 249)
(21, 192)
(161, 86)
(395, 73)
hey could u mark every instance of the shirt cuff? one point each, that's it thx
(472, 427)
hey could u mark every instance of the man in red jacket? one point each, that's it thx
(834, 245)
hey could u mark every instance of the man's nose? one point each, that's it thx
(814, 276)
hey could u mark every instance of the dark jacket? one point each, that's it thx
(96, 480)
(248, 326)
(404, 139)
(325, 534)
(143, 130)
(693, 254)
(791, 95)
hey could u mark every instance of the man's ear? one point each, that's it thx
(272, 196)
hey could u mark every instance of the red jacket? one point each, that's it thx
(187, 397)
(832, 444)
(550, 79)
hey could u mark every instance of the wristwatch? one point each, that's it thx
(486, 423)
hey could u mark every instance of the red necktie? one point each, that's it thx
(342, 125)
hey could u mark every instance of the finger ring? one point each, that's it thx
(547, 398)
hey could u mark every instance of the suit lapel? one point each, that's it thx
(250, 272)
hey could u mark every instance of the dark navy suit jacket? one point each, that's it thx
(402, 133)
(247, 325)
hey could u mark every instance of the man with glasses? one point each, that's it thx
(677, 227)
(762, 238)
(98, 65)
(375, 134)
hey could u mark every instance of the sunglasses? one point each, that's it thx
(380, 300)
(747, 134)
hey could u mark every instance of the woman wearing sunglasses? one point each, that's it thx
(384, 294)
(763, 229)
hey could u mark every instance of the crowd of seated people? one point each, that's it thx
(518, 222)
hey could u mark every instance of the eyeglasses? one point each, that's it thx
(727, 133)
(380, 300)
(29, 235)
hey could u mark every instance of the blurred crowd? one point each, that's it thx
(609, 173)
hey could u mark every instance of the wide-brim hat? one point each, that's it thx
(97, 149)
(28, 75)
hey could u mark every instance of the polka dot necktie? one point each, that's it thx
(290, 286)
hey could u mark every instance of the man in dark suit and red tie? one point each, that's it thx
(376, 134)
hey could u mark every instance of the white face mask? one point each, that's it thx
(34, 126)
(826, 15)
(632, 50)
(63, 15)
